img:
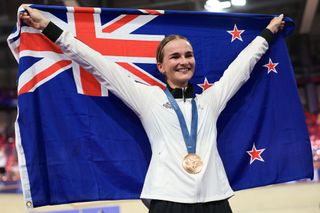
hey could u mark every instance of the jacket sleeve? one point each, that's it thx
(108, 73)
(238, 72)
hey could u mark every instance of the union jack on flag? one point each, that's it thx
(77, 142)
(114, 38)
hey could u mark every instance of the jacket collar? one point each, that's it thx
(182, 93)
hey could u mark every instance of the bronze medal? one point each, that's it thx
(192, 163)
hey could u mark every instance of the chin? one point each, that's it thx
(182, 78)
(186, 77)
(184, 81)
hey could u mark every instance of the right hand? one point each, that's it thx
(33, 18)
(276, 24)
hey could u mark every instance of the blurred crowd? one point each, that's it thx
(313, 124)
(9, 170)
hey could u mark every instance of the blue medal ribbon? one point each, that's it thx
(189, 139)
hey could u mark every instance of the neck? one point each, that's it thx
(177, 85)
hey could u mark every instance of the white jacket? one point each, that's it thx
(166, 179)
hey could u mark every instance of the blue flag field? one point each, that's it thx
(76, 141)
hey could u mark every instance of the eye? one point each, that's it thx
(175, 56)
(189, 55)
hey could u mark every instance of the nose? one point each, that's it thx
(183, 60)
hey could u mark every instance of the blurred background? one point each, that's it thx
(304, 50)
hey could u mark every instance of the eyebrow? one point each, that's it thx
(176, 53)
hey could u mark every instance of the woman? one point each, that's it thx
(185, 172)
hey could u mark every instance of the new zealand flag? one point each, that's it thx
(78, 142)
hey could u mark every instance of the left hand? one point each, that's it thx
(276, 24)
(33, 18)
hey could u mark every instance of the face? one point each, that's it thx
(178, 63)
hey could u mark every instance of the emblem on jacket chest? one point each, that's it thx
(167, 105)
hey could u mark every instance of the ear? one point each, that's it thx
(160, 68)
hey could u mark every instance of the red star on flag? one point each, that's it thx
(205, 84)
(236, 34)
(271, 66)
(255, 154)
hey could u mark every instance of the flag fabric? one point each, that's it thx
(78, 142)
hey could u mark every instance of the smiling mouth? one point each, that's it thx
(183, 69)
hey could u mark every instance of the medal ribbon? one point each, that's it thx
(189, 139)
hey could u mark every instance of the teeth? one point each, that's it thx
(183, 69)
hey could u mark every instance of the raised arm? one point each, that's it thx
(239, 70)
(107, 72)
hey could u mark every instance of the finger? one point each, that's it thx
(24, 14)
(27, 22)
(27, 8)
(25, 18)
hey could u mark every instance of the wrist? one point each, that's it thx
(44, 24)
(52, 31)
(267, 34)
(272, 29)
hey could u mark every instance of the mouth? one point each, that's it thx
(183, 69)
